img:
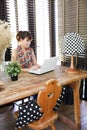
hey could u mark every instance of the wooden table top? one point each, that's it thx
(29, 84)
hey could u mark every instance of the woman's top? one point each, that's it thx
(25, 59)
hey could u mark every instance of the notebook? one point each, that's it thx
(48, 65)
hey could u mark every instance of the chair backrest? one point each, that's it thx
(47, 98)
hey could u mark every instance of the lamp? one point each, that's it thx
(72, 44)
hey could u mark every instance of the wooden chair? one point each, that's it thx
(47, 100)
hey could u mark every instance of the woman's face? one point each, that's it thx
(25, 42)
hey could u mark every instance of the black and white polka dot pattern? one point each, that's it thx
(30, 111)
(60, 100)
(72, 43)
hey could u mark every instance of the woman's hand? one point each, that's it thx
(24, 69)
(34, 67)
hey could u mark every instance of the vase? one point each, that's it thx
(14, 78)
(2, 66)
(4, 77)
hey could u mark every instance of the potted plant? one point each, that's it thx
(13, 69)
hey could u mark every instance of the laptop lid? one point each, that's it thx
(48, 65)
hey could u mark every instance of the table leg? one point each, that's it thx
(75, 87)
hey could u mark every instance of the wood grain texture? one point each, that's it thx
(29, 84)
(47, 100)
(1, 83)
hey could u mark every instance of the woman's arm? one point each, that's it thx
(35, 66)
(34, 58)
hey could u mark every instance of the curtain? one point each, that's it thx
(3, 14)
(16, 15)
(52, 24)
(32, 22)
(73, 18)
(82, 29)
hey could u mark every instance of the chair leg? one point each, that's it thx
(37, 129)
(19, 129)
(53, 127)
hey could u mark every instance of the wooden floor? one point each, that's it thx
(67, 110)
(83, 115)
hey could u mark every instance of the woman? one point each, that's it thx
(24, 54)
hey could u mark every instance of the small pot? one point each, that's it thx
(14, 78)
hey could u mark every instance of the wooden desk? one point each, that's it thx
(29, 84)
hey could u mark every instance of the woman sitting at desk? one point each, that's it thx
(24, 55)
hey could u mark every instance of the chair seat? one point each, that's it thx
(47, 100)
(42, 124)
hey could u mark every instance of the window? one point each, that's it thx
(22, 15)
(17, 17)
(42, 30)
(40, 18)
(12, 21)
(46, 28)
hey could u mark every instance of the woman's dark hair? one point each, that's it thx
(23, 34)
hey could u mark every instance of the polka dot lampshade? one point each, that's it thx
(72, 43)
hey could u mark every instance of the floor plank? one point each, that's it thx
(67, 110)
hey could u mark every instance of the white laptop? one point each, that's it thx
(48, 65)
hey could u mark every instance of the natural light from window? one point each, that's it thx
(22, 18)
(42, 25)
(42, 30)
(11, 16)
(56, 20)
(22, 15)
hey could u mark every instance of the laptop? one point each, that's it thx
(48, 65)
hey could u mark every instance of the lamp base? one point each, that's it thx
(70, 70)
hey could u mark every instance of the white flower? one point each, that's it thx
(5, 36)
